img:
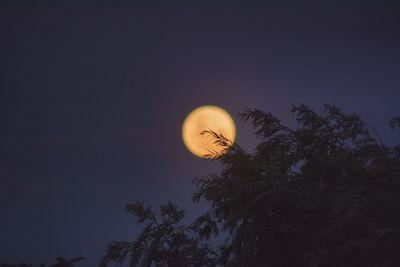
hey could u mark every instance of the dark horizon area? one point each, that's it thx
(93, 97)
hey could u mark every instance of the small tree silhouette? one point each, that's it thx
(163, 242)
(62, 262)
(15, 265)
(326, 193)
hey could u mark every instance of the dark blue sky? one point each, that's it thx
(92, 100)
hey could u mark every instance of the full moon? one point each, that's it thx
(207, 118)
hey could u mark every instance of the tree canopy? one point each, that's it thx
(324, 193)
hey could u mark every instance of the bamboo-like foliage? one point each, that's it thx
(164, 241)
(325, 193)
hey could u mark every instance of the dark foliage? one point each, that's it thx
(15, 265)
(164, 241)
(61, 262)
(326, 193)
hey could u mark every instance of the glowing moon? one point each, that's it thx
(207, 118)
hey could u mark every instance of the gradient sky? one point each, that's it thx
(92, 101)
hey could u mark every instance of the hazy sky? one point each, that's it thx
(92, 101)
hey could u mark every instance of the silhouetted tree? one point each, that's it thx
(163, 242)
(61, 262)
(326, 193)
(15, 265)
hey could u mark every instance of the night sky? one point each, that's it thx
(92, 101)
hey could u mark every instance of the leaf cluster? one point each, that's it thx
(164, 241)
(324, 193)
